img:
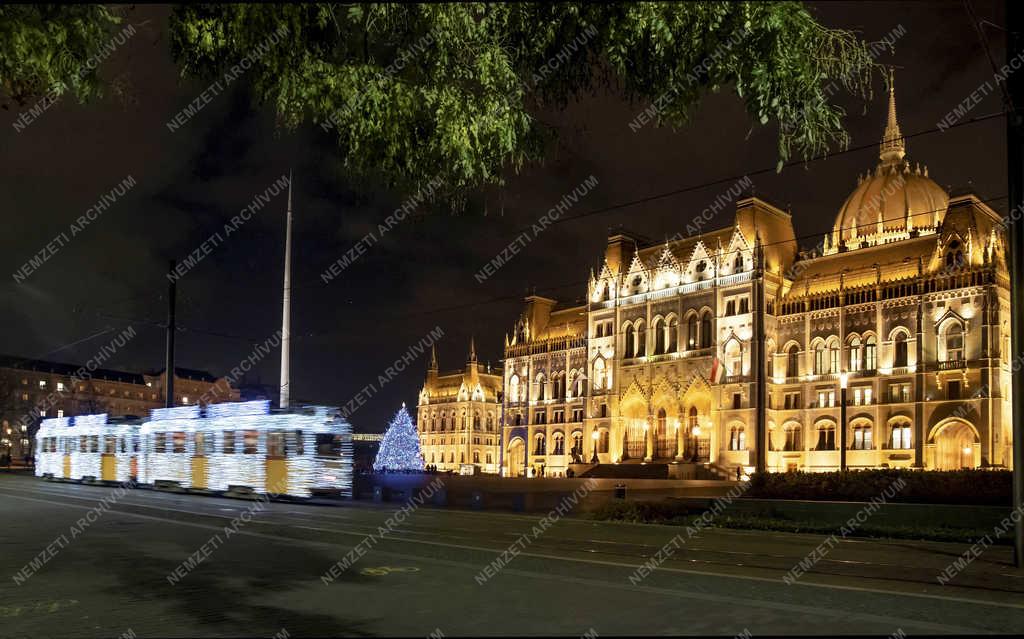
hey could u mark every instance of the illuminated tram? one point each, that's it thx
(237, 447)
(87, 447)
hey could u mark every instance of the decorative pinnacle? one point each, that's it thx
(893, 146)
(433, 357)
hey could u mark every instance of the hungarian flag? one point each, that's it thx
(717, 371)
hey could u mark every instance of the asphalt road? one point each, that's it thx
(115, 568)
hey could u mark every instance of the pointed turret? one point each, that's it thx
(472, 350)
(893, 147)
(433, 357)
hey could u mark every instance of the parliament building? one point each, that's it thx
(903, 308)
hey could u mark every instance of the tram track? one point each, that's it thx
(570, 549)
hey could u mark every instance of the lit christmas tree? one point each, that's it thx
(400, 448)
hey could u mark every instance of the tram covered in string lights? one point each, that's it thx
(238, 446)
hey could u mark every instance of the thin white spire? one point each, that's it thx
(286, 318)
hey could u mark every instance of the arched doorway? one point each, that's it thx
(956, 445)
(634, 433)
(696, 422)
(664, 436)
(516, 457)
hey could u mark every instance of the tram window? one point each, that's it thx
(328, 445)
(124, 444)
(250, 439)
(135, 443)
(229, 442)
(178, 441)
(109, 444)
(275, 444)
(204, 443)
(160, 443)
(94, 443)
(83, 444)
(296, 446)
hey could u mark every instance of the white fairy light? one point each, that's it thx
(313, 447)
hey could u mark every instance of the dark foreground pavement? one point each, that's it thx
(108, 574)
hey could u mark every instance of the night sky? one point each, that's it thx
(421, 274)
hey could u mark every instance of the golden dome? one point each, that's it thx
(892, 200)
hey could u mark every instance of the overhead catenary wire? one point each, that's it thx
(615, 207)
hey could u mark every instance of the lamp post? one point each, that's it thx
(843, 379)
(595, 436)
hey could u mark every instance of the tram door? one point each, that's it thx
(133, 469)
(200, 470)
(108, 460)
(277, 463)
(66, 444)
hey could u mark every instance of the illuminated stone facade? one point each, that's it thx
(907, 299)
(31, 390)
(458, 417)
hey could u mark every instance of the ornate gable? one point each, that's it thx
(638, 278)
(668, 271)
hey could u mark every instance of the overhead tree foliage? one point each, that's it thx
(450, 93)
(418, 91)
(44, 49)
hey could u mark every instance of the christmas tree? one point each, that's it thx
(400, 448)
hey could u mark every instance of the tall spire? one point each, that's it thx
(893, 146)
(433, 357)
(472, 349)
(286, 316)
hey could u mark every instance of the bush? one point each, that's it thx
(642, 512)
(973, 487)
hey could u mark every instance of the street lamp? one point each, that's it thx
(695, 431)
(968, 462)
(843, 379)
(595, 436)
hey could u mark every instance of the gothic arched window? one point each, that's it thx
(705, 330)
(900, 350)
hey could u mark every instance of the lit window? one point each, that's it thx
(901, 435)
(826, 437)
(42, 383)
(60, 386)
(60, 412)
(954, 343)
(184, 399)
(862, 437)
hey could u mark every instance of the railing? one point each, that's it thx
(952, 364)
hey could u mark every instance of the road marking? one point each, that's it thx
(759, 603)
(386, 570)
(37, 607)
(632, 566)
